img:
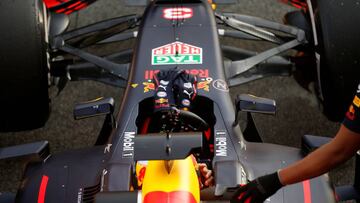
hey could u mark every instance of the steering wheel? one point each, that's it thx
(191, 119)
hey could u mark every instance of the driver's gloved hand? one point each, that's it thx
(258, 190)
(185, 89)
(164, 96)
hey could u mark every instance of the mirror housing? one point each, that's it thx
(97, 107)
(253, 104)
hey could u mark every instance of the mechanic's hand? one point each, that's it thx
(258, 190)
(164, 96)
(185, 86)
(207, 179)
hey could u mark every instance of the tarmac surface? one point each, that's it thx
(297, 109)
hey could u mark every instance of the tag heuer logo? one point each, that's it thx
(176, 53)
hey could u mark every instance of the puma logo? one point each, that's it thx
(163, 87)
(188, 93)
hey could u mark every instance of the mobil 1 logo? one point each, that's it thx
(221, 143)
(128, 144)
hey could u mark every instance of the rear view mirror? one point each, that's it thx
(100, 106)
(253, 104)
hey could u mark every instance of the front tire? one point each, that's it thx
(24, 98)
(338, 47)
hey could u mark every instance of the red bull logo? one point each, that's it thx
(148, 86)
(177, 183)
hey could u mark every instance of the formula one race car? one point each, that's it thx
(170, 134)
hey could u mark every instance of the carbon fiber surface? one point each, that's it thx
(297, 113)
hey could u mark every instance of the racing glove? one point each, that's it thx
(258, 190)
(164, 97)
(185, 89)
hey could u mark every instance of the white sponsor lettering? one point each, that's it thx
(128, 144)
(163, 59)
(177, 59)
(176, 53)
(80, 194)
(190, 60)
(221, 146)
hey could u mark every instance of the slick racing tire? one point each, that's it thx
(24, 98)
(338, 54)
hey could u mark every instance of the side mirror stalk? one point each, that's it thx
(252, 104)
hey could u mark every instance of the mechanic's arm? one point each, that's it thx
(341, 148)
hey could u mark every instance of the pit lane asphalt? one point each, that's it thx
(297, 109)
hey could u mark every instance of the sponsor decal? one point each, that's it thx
(188, 85)
(163, 85)
(104, 173)
(163, 82)
(107, 148)
(243, 179)
(161, 101)
(79, 196)
(185, 102)
(148, 86)
(356, 101)
(204, 84)
(161, 94)
(221, 85)
(134, 85)
(176, 53)
(128, 144)
(200, 73)
(220, 143)
(141, 174)
(158, 106)
(177, 13)
(140, 171)
(189, 94)
(351, 113)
